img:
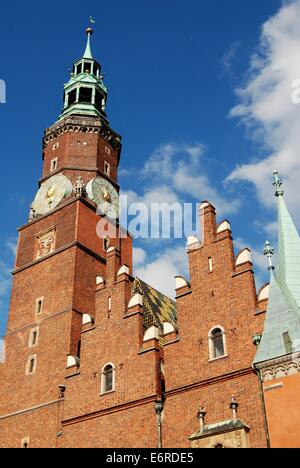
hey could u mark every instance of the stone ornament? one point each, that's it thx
(281, 367)
(46, 244)
(32, 214)
(79, 187)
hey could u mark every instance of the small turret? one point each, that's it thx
(85, 93)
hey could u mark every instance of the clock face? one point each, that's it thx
(104, 194)
(51, 193)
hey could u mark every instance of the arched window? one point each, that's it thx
(108, 378)
(217, 343)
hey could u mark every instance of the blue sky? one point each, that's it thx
(173, 70)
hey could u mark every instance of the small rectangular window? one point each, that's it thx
(107, 150)
(210, 265)
(31, 365)
(25, 443)
(33, 337)
(109, 303)
(107, 168)
(53, 165)
(39, 305)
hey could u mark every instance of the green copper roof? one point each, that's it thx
(281, 335)
(85, 93)
(288, 251)
(282, 323)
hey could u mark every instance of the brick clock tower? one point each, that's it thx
(98, 358)
(60, 258)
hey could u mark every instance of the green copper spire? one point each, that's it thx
(88, 52)
(281, 334)
(282, 324)
(288, 248)
(85, 92)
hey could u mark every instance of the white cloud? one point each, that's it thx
(267, 111)
(177, 173)
(139, 256)
(228, 58)
(161, 270)
(174, 173)
(11, 244)
(4, 279)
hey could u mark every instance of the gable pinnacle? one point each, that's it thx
(277, 183)
(269, 252)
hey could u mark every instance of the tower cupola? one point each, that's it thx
(85, 93)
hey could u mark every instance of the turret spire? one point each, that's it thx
(88, 51)
(85, 92)
(283, 312)
(288, 269)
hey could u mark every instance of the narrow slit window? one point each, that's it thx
(33, 338)
(107, 168)
(25, 443)
(79, 349)
(31, 365)
(53, 165)
(109, 303)
(39, 306)
(210, 265)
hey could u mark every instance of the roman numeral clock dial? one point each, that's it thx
(104, 194)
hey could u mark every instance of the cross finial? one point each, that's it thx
(269, 252)
(277, 184)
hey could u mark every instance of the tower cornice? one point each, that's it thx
(84, 124)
